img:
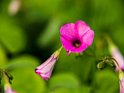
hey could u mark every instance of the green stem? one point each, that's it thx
(116, 64)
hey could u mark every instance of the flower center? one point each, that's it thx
(76, 43)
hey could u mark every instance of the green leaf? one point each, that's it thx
(104, 10)
(11, 35)
(65, 80)
(65, 90)
(118, 37)
(50, 33)
(106, 82)
(22, 62)
(61, 90)
(41, 8)
(3, 58)
(25, 80)
(79, 66)
(86, 89)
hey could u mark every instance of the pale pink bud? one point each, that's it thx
(45, 69)
(14, 7)
(8, 89)
(122, 86)
(116, 54)
(121, 77)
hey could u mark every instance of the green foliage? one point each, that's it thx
(25, 80)
(80, 66)
(50, 32)
(101, 82)
(59, 81)
(11, 36)
(86, 89)
(33, 33)
(101, 65)
(3, 57)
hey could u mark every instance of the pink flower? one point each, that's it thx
(8, 89)
(122, 86)
(121, 77)
(45, 69)
(116, 54)
(76, 37)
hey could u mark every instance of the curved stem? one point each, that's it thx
(116, 64)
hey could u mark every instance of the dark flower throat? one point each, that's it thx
(76, 43)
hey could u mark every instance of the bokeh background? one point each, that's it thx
(29, 34)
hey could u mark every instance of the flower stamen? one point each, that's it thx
(76, 43)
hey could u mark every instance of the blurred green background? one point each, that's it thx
(29, 34)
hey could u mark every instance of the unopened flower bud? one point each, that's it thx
(45, 69)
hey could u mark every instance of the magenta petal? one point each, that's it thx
(67, 31)
(88, 37)
(81, 27)
(76, 37)
(66, 44)
(81, 48)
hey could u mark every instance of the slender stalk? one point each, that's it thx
(116, 64)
